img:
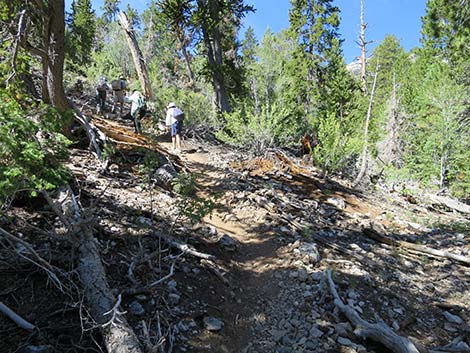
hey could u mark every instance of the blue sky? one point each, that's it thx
(401, 18)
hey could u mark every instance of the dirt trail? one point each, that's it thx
(250, 269)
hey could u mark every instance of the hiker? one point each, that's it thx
(174, 121)
(119, 89)
(138, 108)
(102, 87)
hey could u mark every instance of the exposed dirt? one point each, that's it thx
(269, 218)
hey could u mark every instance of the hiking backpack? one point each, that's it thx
(178, 114)
(141, 105)
(102, 86)
(118, 85)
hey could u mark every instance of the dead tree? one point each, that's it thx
(118, 336)
(363, 43)
(137, 55)
(365, 152)
(378, 332)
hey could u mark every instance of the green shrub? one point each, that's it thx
(31, 146)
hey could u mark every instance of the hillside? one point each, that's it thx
(251, 275)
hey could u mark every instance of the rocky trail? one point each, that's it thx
(273, 230)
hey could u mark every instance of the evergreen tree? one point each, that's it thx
(110, 10)
(446, 29)
(81, 35)
(219, 22)
(319, 83)
(438, 142)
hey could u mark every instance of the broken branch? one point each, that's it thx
(379, 332)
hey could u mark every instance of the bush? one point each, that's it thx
(31, 147)
(273, 126)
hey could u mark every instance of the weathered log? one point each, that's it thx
(126, 138)
(117, 334)
(378, 332)
(451, 203)
(373, 234)
(17, 319)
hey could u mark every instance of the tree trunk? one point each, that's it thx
(103, 306)
(137, 55)
(186, 59)
(56, 54)
(363, 168)
(363, 43)
(214, 56)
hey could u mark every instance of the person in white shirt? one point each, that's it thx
(174, 121)
(138, 108)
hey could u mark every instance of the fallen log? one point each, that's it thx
(378, 332)
(373, 234)
(126, 138)
(451, 203)
(118, 336)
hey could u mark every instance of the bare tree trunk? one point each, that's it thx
(139, 61)
(104, 307)
(187, 60)
(364, 154)
(363, 43)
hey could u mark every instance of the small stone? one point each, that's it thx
(302, 275)
(310, 251)
(136, 308)
(338, 202)
(294, 274)
(228, 243)
(315, 332)
(462, 346)
(145, 221)
(342, 328)
(307, 294)
(213, 324)
(453, 318)
(449, 327)
(312, 344)
(277, 334)
(173, 299)
(182, 327)
(398, 311)
(172, 285)
(345, 342)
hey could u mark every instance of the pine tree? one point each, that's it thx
(446, 29)
(110, 10)
(81, 35)
(319, 82)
